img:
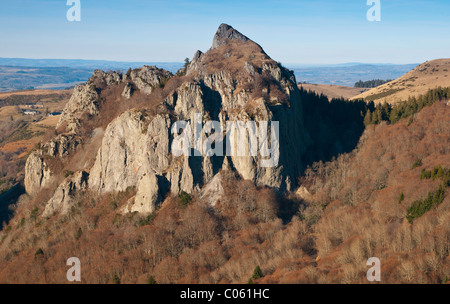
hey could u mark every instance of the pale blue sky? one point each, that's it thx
(311, 31)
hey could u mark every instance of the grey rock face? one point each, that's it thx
(119, 162)
(196, 57)
(249, 68)
(84, 100)
(213, 191)
(225, 33)
(62, 199)
(148, 78)
(37, 173)
(136, 151)
(189, 101)
(101, 79)
(61, 145)
(147, 195)
(127, 91)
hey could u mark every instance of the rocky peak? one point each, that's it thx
(233, 57)
(197, 56)
(234, 80)
(226, 33)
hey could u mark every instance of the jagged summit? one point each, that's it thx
(231, 52)
(225, 33)
(132, 114)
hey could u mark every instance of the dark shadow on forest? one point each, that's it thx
(6, 200)
(334, 127)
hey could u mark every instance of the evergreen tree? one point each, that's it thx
(151, 281)
(376, 116)
(385, 111)
(186, 63)
(368, 118)
(257, 273)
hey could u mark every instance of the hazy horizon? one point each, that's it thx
(294, 64)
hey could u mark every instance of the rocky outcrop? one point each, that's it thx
(148, 78)
(37, 173)
(121, 157)
(226, 33)
(136, 146)
(84, 100)
(147, 195)
(189, 100)
(61, 145)
(213, 191)
(63, 197)
(127, 91)
(101, 79)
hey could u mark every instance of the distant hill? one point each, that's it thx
(349, 74)
(418, 81)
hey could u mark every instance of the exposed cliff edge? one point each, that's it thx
(234, 81)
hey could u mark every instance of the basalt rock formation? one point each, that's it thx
(233, 81)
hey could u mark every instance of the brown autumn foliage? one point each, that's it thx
(356, 213)
(177, 244)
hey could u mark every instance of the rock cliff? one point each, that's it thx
(234, 81)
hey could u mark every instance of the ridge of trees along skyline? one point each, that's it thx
(394, 113)
(371, 83)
